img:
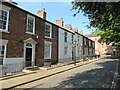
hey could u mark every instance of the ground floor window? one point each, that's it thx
(2, 54)
(47, 51)
(65, 50)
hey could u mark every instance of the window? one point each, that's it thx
(72, 38)
(65, 36)
(93, 45)
(4, 18)
(65, 50)
(30, 24)
(48, 30)
(2, 54)
(78, 50)
(85, 41)
(78, 39)
(83, 51)
(89, 43)
(47, 50)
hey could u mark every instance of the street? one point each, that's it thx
(98, 74)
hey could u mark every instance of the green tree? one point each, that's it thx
(105, 16)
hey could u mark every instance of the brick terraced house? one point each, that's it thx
(27, 40)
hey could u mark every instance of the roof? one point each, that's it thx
(91, 35)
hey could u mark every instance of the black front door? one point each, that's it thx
(28, 57)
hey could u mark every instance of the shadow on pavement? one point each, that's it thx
(95, 78)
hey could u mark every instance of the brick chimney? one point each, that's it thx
(75, 29)
(42, 13)
(68, 26)
(81, 32)
(60, 22)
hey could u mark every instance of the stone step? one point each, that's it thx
(31, 68)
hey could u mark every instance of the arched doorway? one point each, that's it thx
(29, 52)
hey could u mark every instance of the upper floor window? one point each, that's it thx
(4, 17)
(85, 41)
(30, 24)
(65, 36)
(89, 43)
(93, 44)
(48, 30)
(78, 39)
(72, 38)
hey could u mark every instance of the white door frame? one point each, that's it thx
(33, 43)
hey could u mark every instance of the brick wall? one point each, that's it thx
(17, 29)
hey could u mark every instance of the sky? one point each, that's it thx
(56, 10)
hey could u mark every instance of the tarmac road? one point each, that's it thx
(98, 74)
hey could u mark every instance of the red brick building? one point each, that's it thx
(26, 38)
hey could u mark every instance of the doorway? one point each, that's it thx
(28, 57)
(73, 54)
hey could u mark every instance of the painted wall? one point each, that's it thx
(78, 39)
(62, 44)
(12, 65)
(77, 44)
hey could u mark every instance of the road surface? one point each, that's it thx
(98, 74)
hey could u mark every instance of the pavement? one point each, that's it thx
(22, 79)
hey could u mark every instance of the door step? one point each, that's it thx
(30, 69)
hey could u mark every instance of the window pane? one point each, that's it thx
(2, 50)
(47, 30)
(47, 51)
(65, 36)
(3, 19)
(30, 24)
(65, 51)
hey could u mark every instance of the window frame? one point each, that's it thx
(28, 15)
(50, 30)
(65, 51)
(65, 36)
(4, 55)
(6, 9)
(48, 43)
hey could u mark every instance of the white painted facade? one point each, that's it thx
(62, 57)
(78, 43)
(73, 46)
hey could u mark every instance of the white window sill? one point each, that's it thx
(47, 58)
(29, 33)
(4, 31)
(48, 37)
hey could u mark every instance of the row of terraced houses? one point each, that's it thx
(27, 39)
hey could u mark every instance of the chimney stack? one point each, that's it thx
(68, 26)
(81, 32)
(42, 13)
(75, 29)
(60, 22)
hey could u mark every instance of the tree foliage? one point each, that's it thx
(105, 16)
